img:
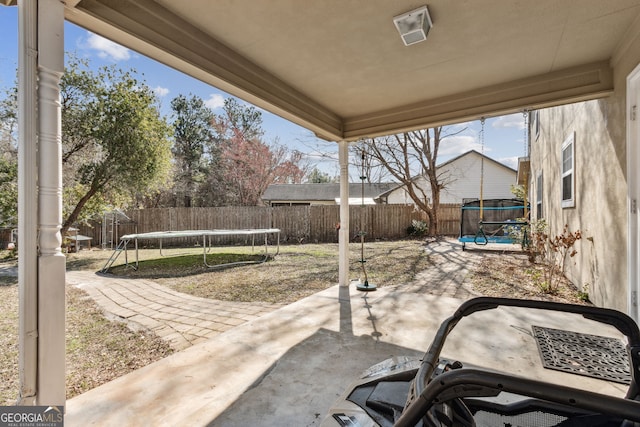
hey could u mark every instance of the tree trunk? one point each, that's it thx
(402, 155)
(73, 216)
(434, 229)
(433, 222)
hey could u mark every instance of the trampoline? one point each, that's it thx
(205, 235)
(492, 221)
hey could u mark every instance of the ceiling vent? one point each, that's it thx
(413, 26)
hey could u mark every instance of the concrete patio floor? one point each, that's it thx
(287, 367)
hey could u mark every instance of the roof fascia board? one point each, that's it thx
(576, 84)
(152, 30)
(148, 28)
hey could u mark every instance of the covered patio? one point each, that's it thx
(288, 368)
(340, 69)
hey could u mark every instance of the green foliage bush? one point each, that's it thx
(418, 228)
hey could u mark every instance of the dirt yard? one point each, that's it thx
(99, 350)
(513, 276)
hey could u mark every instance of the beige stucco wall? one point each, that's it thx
(600, 212)
(600, 197)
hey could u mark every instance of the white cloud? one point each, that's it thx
(215, 100)
(512, 162)
(161, 91)
(106, 49)
(455, 145)
(510, 121)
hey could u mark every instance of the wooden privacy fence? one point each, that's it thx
(298, 224)
(449, 219)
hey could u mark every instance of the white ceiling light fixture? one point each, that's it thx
(414, 26)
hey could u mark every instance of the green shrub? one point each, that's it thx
(418, 228)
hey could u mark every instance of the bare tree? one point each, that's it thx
(368, 166)
(248, 165)
(410, 156)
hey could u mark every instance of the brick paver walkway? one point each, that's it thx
(180, 319)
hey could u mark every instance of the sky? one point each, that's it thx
(503, 136)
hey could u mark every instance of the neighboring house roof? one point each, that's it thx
(479, 154)
(330, 192)
(323, 192)
(462, 177)
(450, 161)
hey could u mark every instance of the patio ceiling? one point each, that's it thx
(340, 69)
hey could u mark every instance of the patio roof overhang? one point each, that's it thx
(335, 67)
(341, 70)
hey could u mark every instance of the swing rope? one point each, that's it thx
(525, 117)
(481, 238)
(481, 169)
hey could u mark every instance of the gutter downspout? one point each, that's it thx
(633, 193)
(27, 201)
(42, 302)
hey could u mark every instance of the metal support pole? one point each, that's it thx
(363, 286)
(343, 234)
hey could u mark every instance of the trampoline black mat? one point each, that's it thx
(582, 354)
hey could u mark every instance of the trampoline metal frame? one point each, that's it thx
(206, 242)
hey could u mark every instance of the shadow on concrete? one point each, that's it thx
(303, 384)
(286, 368)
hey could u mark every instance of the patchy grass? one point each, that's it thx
(98, 350)
(8, 341)
(183, 265)
(296, 272)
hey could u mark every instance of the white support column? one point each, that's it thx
(633, 196)
(343, 235)
(27, 201)
(51, 261)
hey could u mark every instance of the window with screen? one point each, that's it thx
(539, 213)
(568, 175)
